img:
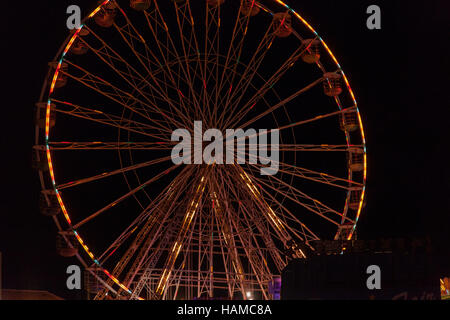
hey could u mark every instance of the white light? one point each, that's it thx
(249, 295)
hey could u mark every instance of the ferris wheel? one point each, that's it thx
(147, 228)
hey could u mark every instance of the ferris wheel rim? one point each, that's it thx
(63, 51)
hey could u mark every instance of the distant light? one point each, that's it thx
(249, 295)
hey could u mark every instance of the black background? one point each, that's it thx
(399, 75)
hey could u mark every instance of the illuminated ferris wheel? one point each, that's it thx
(146, 228)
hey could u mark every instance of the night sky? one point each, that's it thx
(400, 77)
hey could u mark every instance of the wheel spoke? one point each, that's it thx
(122, 198)
(152, 216)
(278, 105)
(111, 173)
(299, 123)
(276, 77)
(102, 117)
(305, 200)
(118, 95)
(308, 174)
(98, 145)
(263, 48)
